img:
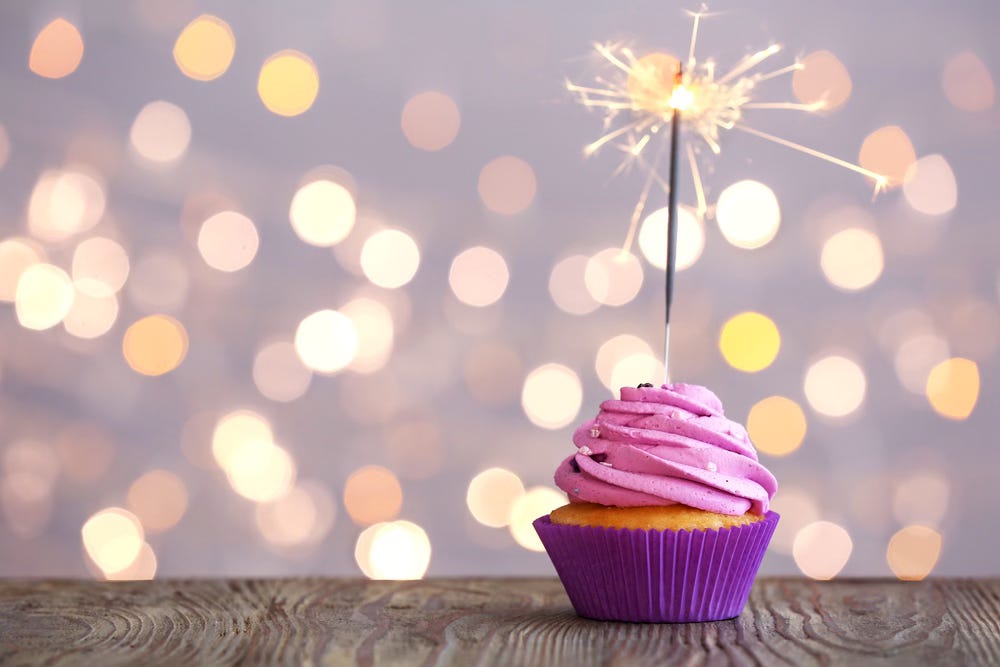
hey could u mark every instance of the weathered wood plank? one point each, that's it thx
(485, 622)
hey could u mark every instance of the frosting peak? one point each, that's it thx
(666, 445)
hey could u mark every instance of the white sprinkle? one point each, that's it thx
(595, 432)
(605, 463)
(586, 451)
(711, 467)
(576, 490)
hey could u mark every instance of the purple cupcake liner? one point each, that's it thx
(657, 576)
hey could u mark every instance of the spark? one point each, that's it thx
(639, 95)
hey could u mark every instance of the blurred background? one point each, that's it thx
(324, 287)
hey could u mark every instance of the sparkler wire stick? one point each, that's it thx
(668, 282)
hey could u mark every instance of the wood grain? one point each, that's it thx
(521, 622)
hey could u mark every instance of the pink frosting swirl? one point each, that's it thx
(666, 445)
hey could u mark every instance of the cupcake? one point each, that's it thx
(668, 514)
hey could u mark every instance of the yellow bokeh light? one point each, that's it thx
(930, 187)
(921, 498)
(528, 506)
(390, 258)
(953, 387)
(155, 345)
(304, 516)
(835, 386)
(326, 341)
(507, 185)
(430, 121)
(613, 351)
(260, 471)
(798, 508)
(478, 276)
(777, 425)
(16, 255)
(113, 538)
(143, 568)
(158, 499)
(567, 286)
(491, 496)
(852, 259)
(822, 80)
(888, 151)
(913, 552)
(44, 296)
(235, 429)
(322, 213)
(914, 358)
(822, 549)
(91, 316)
(205, 48)
(100, 267)
(749, 342)
(161, 132)
(393, 550)
(967, 83)
(279, 373)
(228, 241)
(64, 203)
(690, 238)
(288, 83)
(613, 277)
(57, 50)
(551, 396)
(748, 214)
(636, 369)
(372, 494)
(373, 323)
(492, 373)
(650, 82)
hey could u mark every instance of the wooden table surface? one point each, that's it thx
(520, 622)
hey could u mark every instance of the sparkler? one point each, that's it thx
(642, 96)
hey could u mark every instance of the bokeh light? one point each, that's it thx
(797, 508)
(16, 255)
(161, 132)
(749, 341)
(43, 297)
(430, 121)
(113, 538)
(913, 552)
(929, 186)
(613, 351)
(326, 341)
(613, 277)
(235, 429)
(777, 425)
(322, 212)
(567, 286)
(373, 322)
(143, 568)
(533, 503)
(491, 496)
(690, 238)
(507, 185)
(967, 83)
(478, 276)
(205, 48)
(888, 151)
(155, 345)
(288, 83)
(279, 373)
(64, 203)
(636, 369)
(91, 316)
(260, 471)
(158, 499)
(551, 396)
(304, 516)
(921, 498)
(390, 258)
(822, 80)
(835, 386)
(57, 50)
(822, 549)
(228, 241)
(915, 356)
(372, 494)
(393, 550)
(953, 387)
(748, 214)
(852, 259)
(159, 282)
(100, 267)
